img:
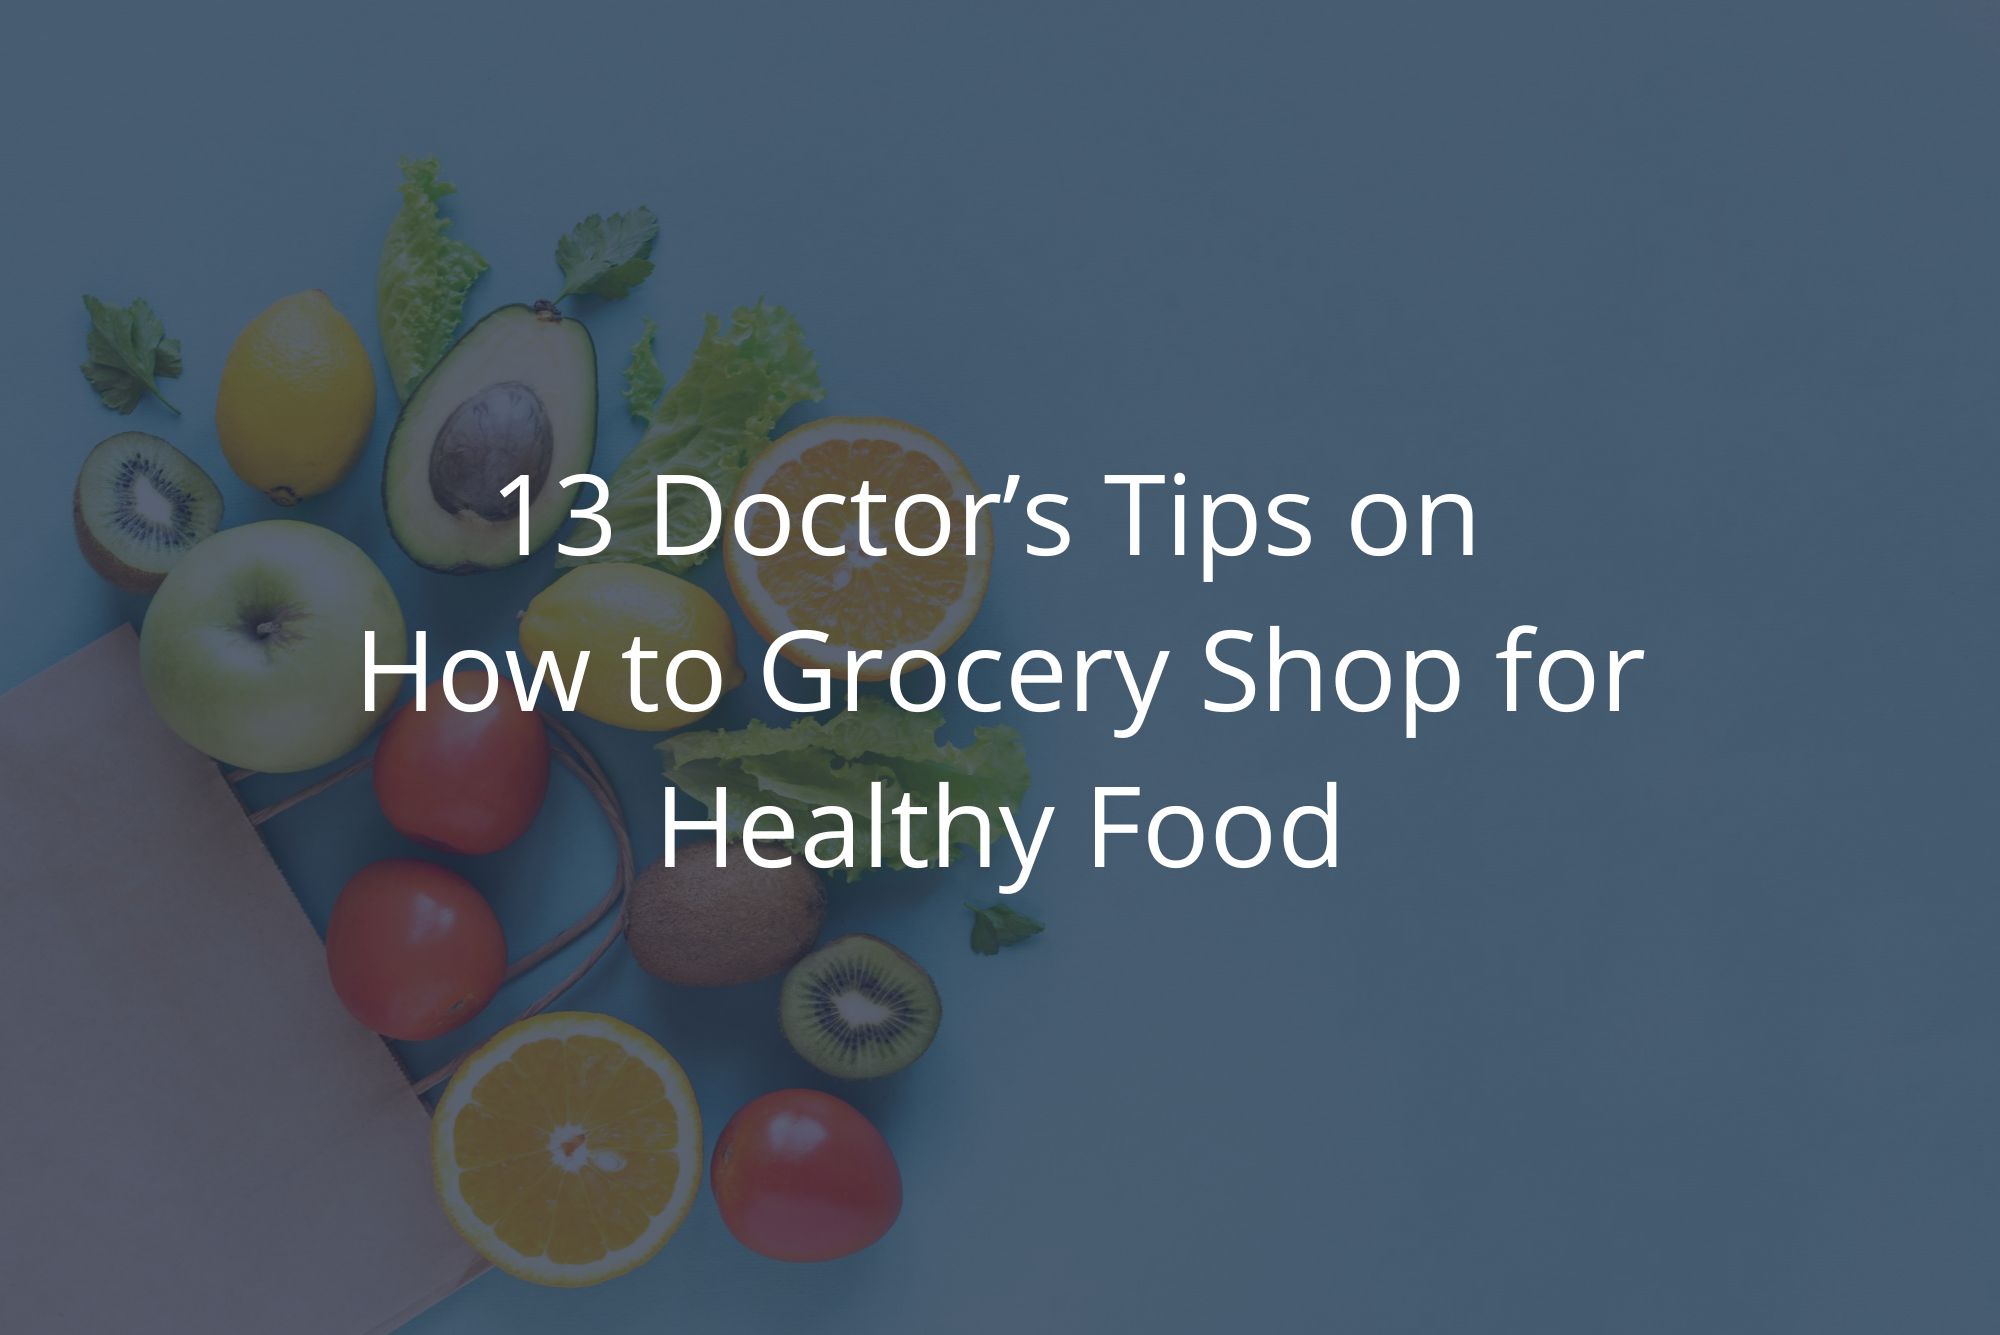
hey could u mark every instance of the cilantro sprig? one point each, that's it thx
(608, 256)
(999, 926)
(130, 354)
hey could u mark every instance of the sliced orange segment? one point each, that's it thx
(891, 603)
(568, 1149)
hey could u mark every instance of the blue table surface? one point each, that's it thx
(1677, 1019)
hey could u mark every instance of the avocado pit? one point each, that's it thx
(497, 435)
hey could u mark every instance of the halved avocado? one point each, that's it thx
(517, 394)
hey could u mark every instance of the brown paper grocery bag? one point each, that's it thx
(199, 1139)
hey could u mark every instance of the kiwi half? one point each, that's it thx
(858, 1007)
(139, 506)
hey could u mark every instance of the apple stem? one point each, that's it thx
(266, 629)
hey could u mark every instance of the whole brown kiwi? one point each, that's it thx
(699, 925)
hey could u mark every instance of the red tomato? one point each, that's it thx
(413, 949)
(802, 1176)
(465, 783)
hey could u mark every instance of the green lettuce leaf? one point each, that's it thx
(644, 381)
(421, 282)
(831, 763)
(710, 424)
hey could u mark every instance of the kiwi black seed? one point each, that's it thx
(700, 925)
(858, 1007)
(139, 506)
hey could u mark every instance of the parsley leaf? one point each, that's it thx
(999, 926)
(130, 354)
(645, 383)
(608, 257)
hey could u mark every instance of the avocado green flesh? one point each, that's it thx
(519, 361)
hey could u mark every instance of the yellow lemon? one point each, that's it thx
(568, 1149)
(297, 399)
(601, 609)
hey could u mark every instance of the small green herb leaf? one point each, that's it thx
(644, 381)
(130, 354)
(608, 257)
(999, 926)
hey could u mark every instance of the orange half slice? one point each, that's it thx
(568, 1149)
(892, 603)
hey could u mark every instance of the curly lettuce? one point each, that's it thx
(711, 424)
(813, 764)
(422, 280)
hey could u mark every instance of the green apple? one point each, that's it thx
(253, 649)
